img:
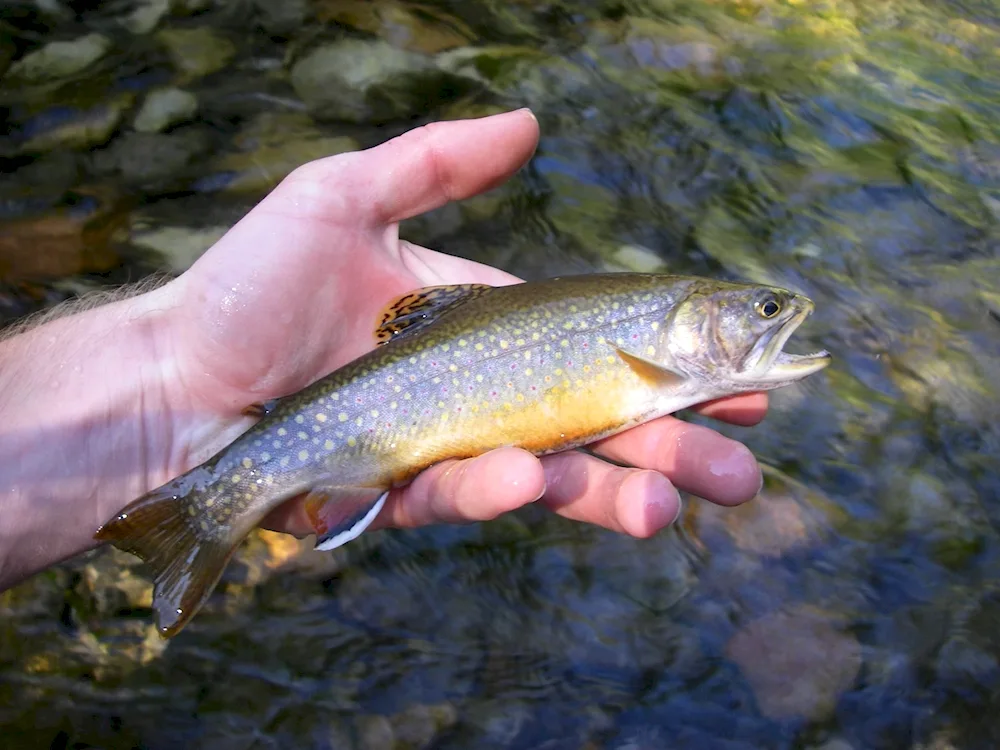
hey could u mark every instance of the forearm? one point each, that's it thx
(81, 414)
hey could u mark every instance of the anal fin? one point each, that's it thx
(340, 514)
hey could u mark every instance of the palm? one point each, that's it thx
(292, 292)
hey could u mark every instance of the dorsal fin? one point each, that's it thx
(421, 307)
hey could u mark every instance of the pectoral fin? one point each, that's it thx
(652, 372)
(421, 307)
(340, 514)
(260, 408)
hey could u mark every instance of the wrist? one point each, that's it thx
(85, 426)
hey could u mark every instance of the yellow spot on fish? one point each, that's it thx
(519, 397)
(535, 336)
(528, 371)
(299, 419)
(463, 342)
(374, 412)
(445, 347)
(351, 441)
(359, 421)
(568, 325)
(394, 405)
(650, 351)
(342, 416)
(504, 344)
(235, 479)
(265, 457)
(479, 347)
(303, 436)
(655, 325)
(321, 417)
(284, 460)
(397, 388)
(479, 378)
(630, 309)
(610, 360)
(440, 404)
(204, 525)
(192, 511)
(334, 396)
(558, 371)
(247, 463)
(210, 502)
(282, 431)
(328, 445)
(436, 381)
(303, 455)
(564, 342)
(519, 342)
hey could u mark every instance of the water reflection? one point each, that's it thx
(848, 150)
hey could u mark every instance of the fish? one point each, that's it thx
(458, 370)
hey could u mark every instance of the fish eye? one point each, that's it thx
(769, 307)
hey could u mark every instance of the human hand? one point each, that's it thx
(293, 290)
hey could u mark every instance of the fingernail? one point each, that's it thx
(664, 507)
(527, 110)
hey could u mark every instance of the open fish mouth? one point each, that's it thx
(776, 365)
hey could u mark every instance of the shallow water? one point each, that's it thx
(848, 150)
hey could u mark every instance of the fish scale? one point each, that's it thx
(545, 366)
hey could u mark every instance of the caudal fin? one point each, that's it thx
(186, 562)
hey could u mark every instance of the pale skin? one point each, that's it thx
(98, 407)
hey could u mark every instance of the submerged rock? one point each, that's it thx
(164, 108)
(269, 148)
(64, 242)
(196, 52)
(74, 128)
(60, 59)
(180, 247)
(797, 662)
(419, 29)
(364, 81)
(154, 162)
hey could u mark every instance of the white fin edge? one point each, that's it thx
(356, 530)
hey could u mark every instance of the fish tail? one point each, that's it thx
(186, 561)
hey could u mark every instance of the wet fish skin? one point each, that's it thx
(545, 366)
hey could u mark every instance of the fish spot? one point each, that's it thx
(328, 445)
(316, 428)
(453, 368)
(650, 351)
(504, 344)
(342, 416)
(299, 419)
(479, 347)
(303, 455)
(276, 444)
(351, 441)
(321, 417)
(265, 457)
(282, 431)
(374, 412)
(359, 421)
(235, 478)
(528, 371)
(247, 463)
(284, 460)
(210, 502)
(303, 435)
(655, 325)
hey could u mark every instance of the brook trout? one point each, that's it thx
(546, 366)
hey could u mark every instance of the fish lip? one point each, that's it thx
(775, 365)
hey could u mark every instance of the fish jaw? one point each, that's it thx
(774, 367)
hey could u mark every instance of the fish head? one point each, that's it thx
(736, 333)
